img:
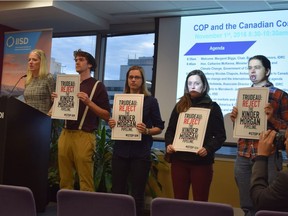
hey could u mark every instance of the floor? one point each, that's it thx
(51, 210)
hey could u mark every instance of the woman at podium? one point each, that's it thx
(39, 84)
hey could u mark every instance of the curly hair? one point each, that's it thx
(90, 59)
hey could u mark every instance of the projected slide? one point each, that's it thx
(220, 46)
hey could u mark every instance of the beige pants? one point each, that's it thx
(75, 154)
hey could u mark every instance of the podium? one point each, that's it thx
(24, 148)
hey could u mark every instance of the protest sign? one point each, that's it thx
(66, 104)
(251, 119)
(127, 112)
(191, 129)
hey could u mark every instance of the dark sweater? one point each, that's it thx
(214, 137)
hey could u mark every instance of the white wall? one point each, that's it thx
(167, 67)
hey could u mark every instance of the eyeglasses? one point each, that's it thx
(257, 67)
(134, 77)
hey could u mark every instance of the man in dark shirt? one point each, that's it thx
(77, 141)
(272, 197)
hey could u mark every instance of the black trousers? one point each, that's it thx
(129, 176)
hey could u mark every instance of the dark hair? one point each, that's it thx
(90, 59)
(264, 60)
(185, 101)
(203, 78)
(144, 89)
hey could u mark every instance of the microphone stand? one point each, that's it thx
(17, 84)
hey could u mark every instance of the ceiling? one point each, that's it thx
(68, 17)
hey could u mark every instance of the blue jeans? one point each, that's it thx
(242, 173)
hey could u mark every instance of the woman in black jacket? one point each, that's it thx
(189, 168)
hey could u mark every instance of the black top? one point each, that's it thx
(100, 98)
(214, 137)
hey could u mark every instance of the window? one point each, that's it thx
(123, 52)
(62, 59)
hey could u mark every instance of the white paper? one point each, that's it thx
(66, 104)
(127, 112)
(191, 129)
(251, 119)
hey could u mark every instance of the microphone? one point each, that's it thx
(17, 84)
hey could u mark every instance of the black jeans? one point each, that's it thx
(129, 176)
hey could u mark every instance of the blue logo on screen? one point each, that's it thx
(20, 43)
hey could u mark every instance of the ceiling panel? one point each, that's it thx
(242, 6)
(72, 16)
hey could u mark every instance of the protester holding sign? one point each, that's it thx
(39, 83)
(76, 144)
(277, 115)
(131, 159)
(189, 168)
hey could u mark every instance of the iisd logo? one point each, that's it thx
(11, 41)
(1, 115)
